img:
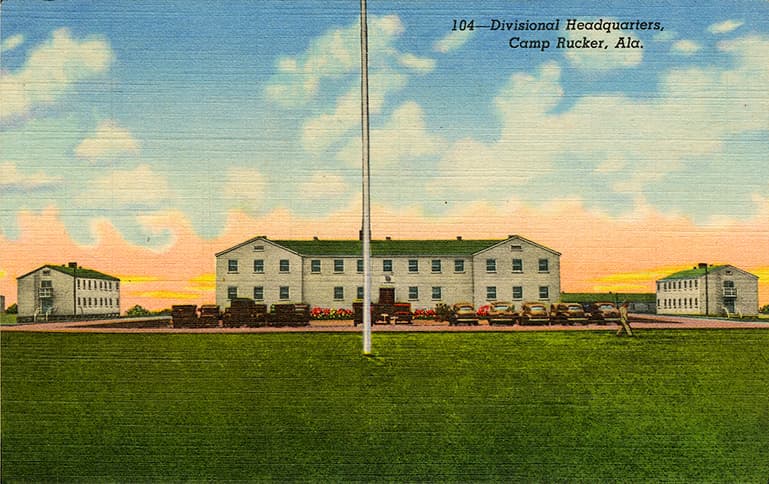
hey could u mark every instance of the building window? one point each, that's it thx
(315, 266)
(491, 265)
(359, 292)
(46, 283)
(232, 266)
(436, 293)
(387, 265)
(283, 293)
(78, 283)
(517, 265)
(258, 293)
(491, 293)
(117, 286)
(338, 293)
(359, 265)
(436, 265)
(258, 248)
(285, 266)
(46, 272)
(79, 303)
(516, 248)
(517, 292)
(544, 292)
(259, 265)
(413, 292)
(232, 292)
(338, 265)
(459, 265)
(544, 265)
(413, 265)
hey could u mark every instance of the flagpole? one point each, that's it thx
(366, 224)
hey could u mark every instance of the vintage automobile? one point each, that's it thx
(244, 312)
(402, 313)
(502, 312)
(463, 313)
(184, 316)
(289, 314)
(603, 312)
(534, 313)
(209, 315)
(567, 313)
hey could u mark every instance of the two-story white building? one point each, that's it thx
(67, 291)
(329, 273)
(708, 290)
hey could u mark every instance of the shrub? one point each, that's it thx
(137, 311)
(443, 311)
(764, 309)
(12, 309)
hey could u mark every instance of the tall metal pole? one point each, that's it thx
(366, 225)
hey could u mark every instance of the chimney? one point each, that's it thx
(315, 237)
(72, 265)
(703, 265)
(459, 237)
(388, 238)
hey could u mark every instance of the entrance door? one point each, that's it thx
(386, 295)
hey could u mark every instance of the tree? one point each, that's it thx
(137, 311)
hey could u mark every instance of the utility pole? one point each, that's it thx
(366, 223)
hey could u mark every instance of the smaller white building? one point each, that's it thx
(722, 290)
(67, 291)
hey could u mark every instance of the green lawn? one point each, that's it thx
(6, 318)
(687, 406)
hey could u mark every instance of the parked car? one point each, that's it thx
(567, 313)
(502, 312)
(604, 312)
(463, 313)
(210, 315)
(534, 313)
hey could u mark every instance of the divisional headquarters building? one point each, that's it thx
(329, 273)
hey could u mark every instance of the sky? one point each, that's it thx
(140, 138)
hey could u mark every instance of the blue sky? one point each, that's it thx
(116, 110)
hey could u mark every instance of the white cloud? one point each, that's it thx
(421, 65)
(397, 145)
(603, 59)
(12, 42)
(108, 141)
(12, 179)
(138, 188)
(725, 27)
(686, 47)
(634, 144)
(452, 41)
(51, 71)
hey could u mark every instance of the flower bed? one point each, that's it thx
(330, 314)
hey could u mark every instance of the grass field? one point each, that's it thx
(688, 406)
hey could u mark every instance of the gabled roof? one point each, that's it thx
(381, 248)
(698, 272)
(70, 271)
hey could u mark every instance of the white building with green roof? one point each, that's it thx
(65, 291)
(329, 273)
(715, 290)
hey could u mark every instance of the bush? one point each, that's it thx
(137, 311)
(443, 311)
(764, 309)
(12, 309)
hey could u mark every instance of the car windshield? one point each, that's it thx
(575, 307)
(537, 308)
(465, 308)
(501, 307)
(606, 307)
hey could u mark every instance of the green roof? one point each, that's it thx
(691, 273)
(452, 247)
(82, 272)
